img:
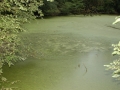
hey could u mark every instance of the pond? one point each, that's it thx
(71, 52)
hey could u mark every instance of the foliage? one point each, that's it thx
(62, 7)
(117, 5)
(77, 6)
(13, 13)
(115, 65)
(66, 7)
(10, 27)
(21, 8)
(50, 8)
(109, 6)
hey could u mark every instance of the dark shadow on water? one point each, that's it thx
(114, 27)
(116, 81)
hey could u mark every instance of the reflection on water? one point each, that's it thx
(68, 61)
(64, 73)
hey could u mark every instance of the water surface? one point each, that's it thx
(72, 51)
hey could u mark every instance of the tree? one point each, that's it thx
(117, 6)
(50, 8)
(13, 13)
(22, 8)
(109, 6)
(77, 6)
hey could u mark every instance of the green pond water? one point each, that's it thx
(71, 50)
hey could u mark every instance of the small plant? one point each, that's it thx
(117, 19)
(115, 65)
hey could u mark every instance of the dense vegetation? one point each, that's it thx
(13, 13)
(115, 65)
(86, 7)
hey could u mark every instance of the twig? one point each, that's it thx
(85, 69)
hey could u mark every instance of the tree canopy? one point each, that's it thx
(66, 7)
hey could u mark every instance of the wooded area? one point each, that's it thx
(86, 7)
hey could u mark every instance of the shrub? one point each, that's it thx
(115, 65)
(12, 14)
(21, 8)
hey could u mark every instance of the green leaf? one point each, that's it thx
(3, 79)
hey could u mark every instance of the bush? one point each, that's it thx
(21, 8)
(115, 65)
(10, 52)
(13, 13)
